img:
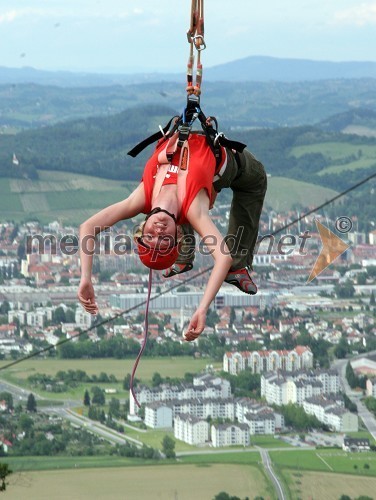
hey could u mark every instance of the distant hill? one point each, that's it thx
(253, 68)
(356, 121)
(261, 68)
(98, 146)
(244, 105)
(93, 146)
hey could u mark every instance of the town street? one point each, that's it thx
(367, 417)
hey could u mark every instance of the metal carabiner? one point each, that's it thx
(199, 46)
(217, 137)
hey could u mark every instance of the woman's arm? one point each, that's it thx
(130, 207)
(199, 218)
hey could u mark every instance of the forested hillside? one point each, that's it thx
(237, 105)
(98, 146)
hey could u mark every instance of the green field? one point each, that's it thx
(282, 193)
(333, 460)
(321, 485)
(72, 198)
(69, 197)
(365, 155)
(167, 367)
(138, 483)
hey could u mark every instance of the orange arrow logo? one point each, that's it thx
(332, 248)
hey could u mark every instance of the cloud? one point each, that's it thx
(10, 15)
(362, 15)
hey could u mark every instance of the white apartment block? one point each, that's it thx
(191, 430)
(203, 387)
(230, 435)
(37, 318)
(158, 416)
(262, 423)
(300, 358)
(283, 388)
(342, 420)
(205, 408)
(331, 411)
(83, 319)
(371, 387)
(244, 407)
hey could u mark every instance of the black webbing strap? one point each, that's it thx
(149, 140)
(228, 143)
(213, 138)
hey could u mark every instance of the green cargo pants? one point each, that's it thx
(246, 176)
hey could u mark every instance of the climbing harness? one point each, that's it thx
(183, 124)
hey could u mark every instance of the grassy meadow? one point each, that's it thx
(352, 156)
(326, 460)
(134, 483)
(59, 195)
(167, 367)
(322, 485)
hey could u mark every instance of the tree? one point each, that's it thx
(87, 398)
(341, 349)
(58, 316)
(98, 396)
(31, 404)
(4, 307)
(344, 291)
(8, 398)
(168, 446)
(157, 379)
(372, 300)
(114, 407)
(25, 423)
(4, 473)
(232, 316)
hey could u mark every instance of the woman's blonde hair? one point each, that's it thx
(139, 231)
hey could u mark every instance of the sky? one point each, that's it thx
(126, 36)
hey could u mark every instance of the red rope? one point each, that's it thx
(145, 339)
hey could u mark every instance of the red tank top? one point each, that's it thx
(200, 172)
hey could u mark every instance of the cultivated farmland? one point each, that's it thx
(140, 483)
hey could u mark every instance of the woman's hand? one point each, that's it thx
(196, 325)
(86, 296)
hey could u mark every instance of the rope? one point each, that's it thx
(145, 339)
(180, 283)
(195, 35)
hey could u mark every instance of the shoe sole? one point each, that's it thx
(236, 283)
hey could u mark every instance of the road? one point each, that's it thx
(93, 426)
(270, 471)
(367, 417)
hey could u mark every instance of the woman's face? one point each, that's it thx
(159, 229)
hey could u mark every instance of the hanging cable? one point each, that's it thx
(145, 339)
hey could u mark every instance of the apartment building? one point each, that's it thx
(281, 388)
(203, 387)
(266, 361)
(230, 435)
(331, 411)
(191, 430)
(158, 415)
